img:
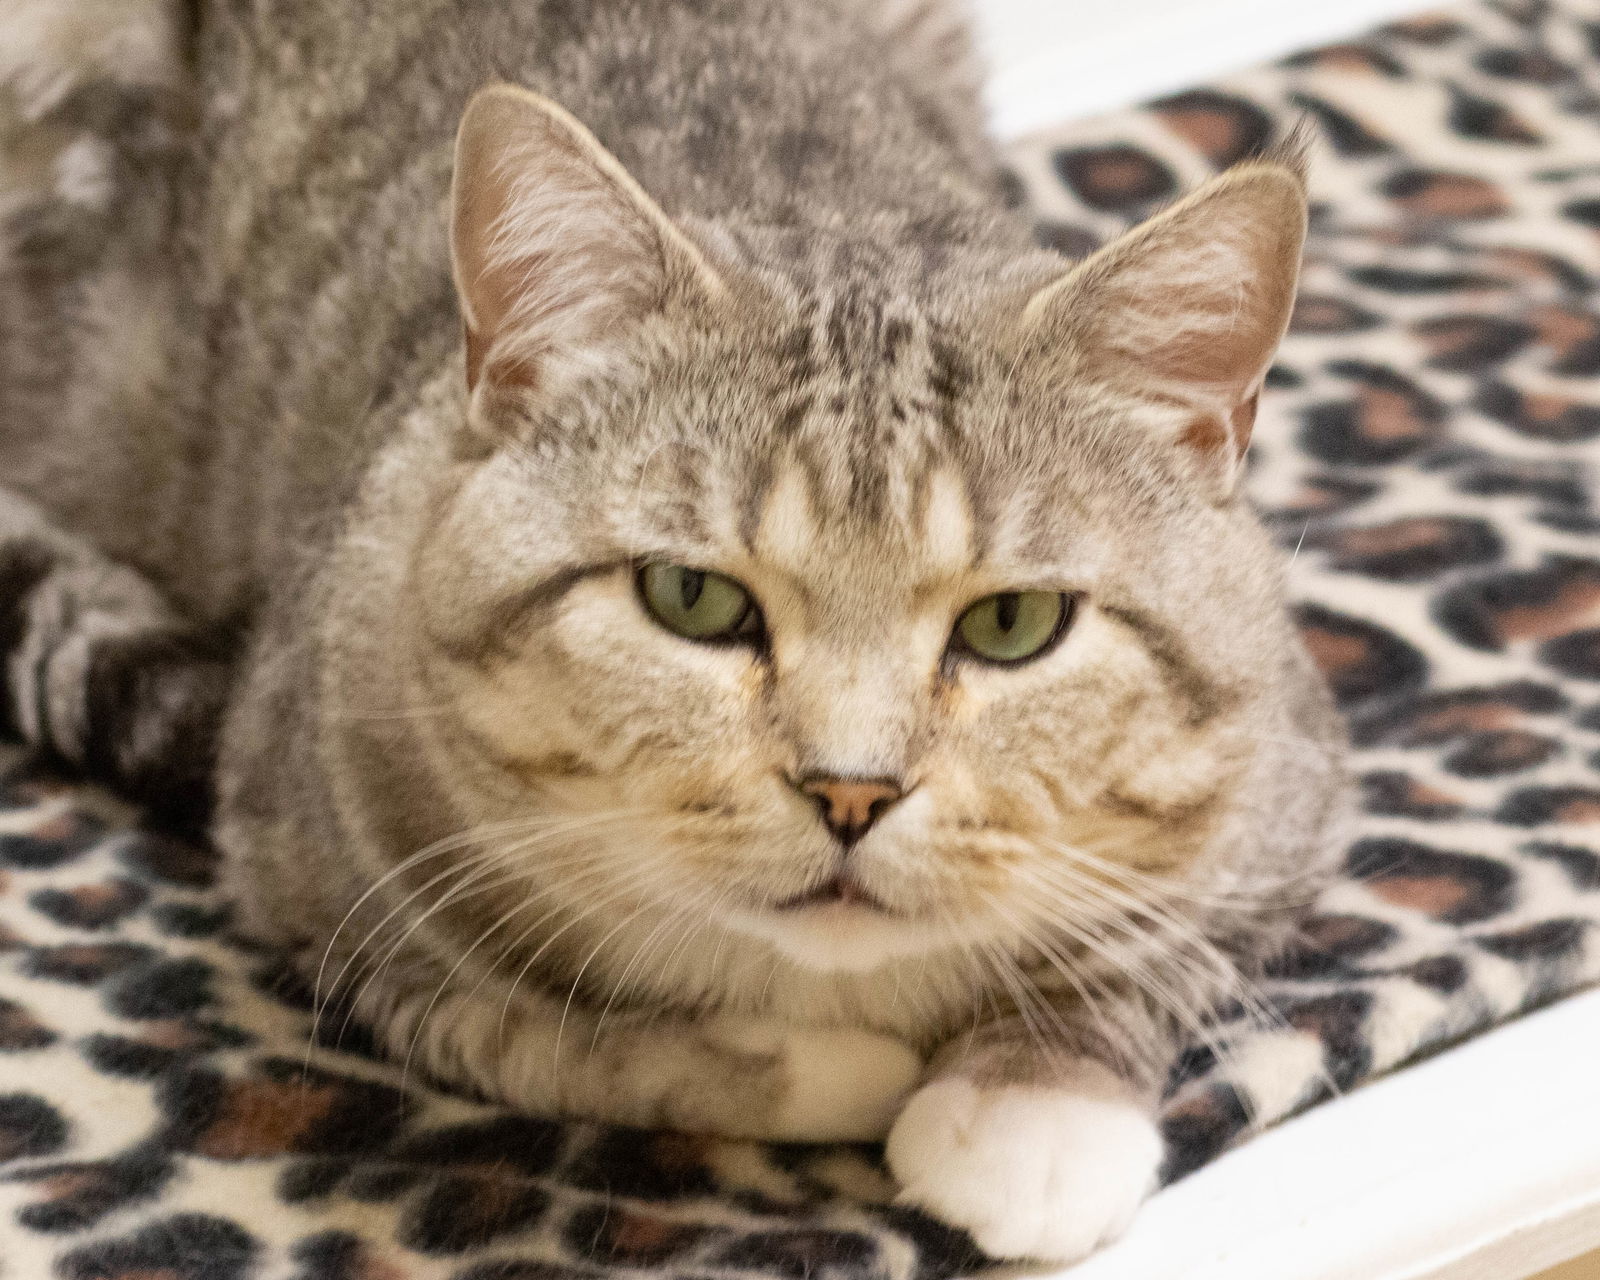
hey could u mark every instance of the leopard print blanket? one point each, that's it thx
(1424, 457)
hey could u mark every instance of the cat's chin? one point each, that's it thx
(842, 937)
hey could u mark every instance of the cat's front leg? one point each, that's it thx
(1035, 1154)
(733, 1077)
(97, 668)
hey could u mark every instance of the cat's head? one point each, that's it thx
(862, 599)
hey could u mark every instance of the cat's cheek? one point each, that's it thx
(1048, 1173)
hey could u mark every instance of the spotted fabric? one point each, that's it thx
(1423, 453)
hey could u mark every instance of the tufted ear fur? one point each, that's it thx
(556, 249)
(1187, 310)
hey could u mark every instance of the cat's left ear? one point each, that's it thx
(1186, 310)
(556, 250)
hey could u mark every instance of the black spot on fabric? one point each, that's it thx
(1575, 654)
(1544, 417)
(1200, 1129)
(1406, 282)
(1454, 888)
(186, 1246)
(1585, 211)
(86, 963)
(79, 1195)
(332, 1255)
(312, 1179)
(1319, 495)
(1391, 793)
(1469, 344)
(1360, 661)
(1330, 946)
(456, 1213)
(1555, 483)
(942, 1250)
(1532, 806)
(1549, 940)
(1520, 64)
(1444, 974)
(1223, 128)
(800, 1254)
(1339, 1020)
(1474, 116)
(1492, 755)
(281, 1109)
(134, 1059)
(630, 1162)
(1115, 179)
(29, 1126)
(54, 843)
(1438, 194)
(526, 1145)
(1520, 605)
(1279, 376)
(20, 1031)
(1066, 238)
(168, 989)
(1326, 313)
(1388, 418)
(1345, 134)
(189, 920)
(180, 862)
(92, 906)
(1581, 865)
(1411, 549)
(616, 1235)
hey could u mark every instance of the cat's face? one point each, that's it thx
(815, 618)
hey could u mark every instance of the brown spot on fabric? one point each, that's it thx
(1223, 128)
(1348, 59)
(1324, 313)
(1115, 178)
(1452, 888)
(1427, 28)
(1358, 659)
(1542, 415)
(20, 1030)
(1438, 194)
(1411, 549)
(1469, 343)
(260, 1118)
(1432, 895)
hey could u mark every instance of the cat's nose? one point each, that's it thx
(849, 806)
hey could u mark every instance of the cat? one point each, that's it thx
(689, 617)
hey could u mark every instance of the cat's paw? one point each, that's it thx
(1049, 1173)
(833, 1084)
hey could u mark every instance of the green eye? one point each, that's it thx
(1014, 625)
(696, 604)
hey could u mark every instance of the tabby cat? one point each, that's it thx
(704, 624)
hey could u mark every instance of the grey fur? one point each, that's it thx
(237, 370)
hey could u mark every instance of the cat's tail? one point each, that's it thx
(100, 672)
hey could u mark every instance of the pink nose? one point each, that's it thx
(849, 806)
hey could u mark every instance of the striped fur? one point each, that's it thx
(739, 291)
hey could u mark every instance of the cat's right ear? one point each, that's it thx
(556, 250)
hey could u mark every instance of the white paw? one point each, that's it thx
(1050, 1173)
(838, 1084)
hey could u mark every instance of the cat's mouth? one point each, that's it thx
(840, 890)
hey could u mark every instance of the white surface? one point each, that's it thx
(1480, 1164)
(1052, 60)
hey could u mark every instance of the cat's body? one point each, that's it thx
(819, 356)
